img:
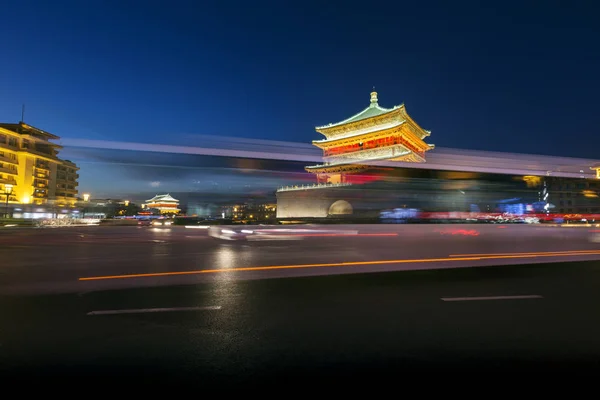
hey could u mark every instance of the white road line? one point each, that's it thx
(152, 310)
(522, 297)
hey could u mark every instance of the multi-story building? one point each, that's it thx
(574, 196)
(108, 208)
(237, 212)
(66, 183)
(251, 212)
(267, 212)
(29, 162)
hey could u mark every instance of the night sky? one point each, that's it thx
(508, 76)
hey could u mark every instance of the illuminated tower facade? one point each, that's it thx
(374, 134)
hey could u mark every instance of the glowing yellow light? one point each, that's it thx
(8, 188)
(26, 199)
(126, 203)
(86, 197)
(532, 181)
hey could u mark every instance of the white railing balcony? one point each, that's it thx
(375, 153)
(312, 186)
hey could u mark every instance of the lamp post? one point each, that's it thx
(86, 198)
(7, 191)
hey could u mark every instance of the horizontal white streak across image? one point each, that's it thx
(437, 159)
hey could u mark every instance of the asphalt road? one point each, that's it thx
(84, 259)
(297, 334)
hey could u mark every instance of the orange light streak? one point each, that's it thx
(344, 264)
(540, 253)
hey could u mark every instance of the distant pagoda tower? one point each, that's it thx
(164, 203)
(374, 134)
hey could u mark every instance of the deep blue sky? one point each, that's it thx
(510, 76)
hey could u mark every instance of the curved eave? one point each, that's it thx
(357, 117)
(159, 199)
(425, 132)
(359, 162)
(348, 167)
(163, 197)
(358, 134)
(339, 165)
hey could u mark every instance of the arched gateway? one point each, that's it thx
(340, 207)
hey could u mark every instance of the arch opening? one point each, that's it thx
(340, 207)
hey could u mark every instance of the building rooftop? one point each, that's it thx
(373, 110)
(162, 197)
(26, 129)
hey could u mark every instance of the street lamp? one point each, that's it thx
(7, 191)
(86, 198)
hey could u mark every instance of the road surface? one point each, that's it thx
(342, 331)
(389, 305)
(84, 259)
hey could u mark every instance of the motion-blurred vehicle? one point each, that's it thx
(162, 222)
(258, 234)
(144, 222)
(226, 233)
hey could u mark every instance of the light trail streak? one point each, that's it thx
(440, 159)
(563, 252)
(338, 264)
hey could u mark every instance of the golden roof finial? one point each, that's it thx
(373, 97)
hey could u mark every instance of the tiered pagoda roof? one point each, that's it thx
(162, 198)
(372, 119)
(375, 133)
